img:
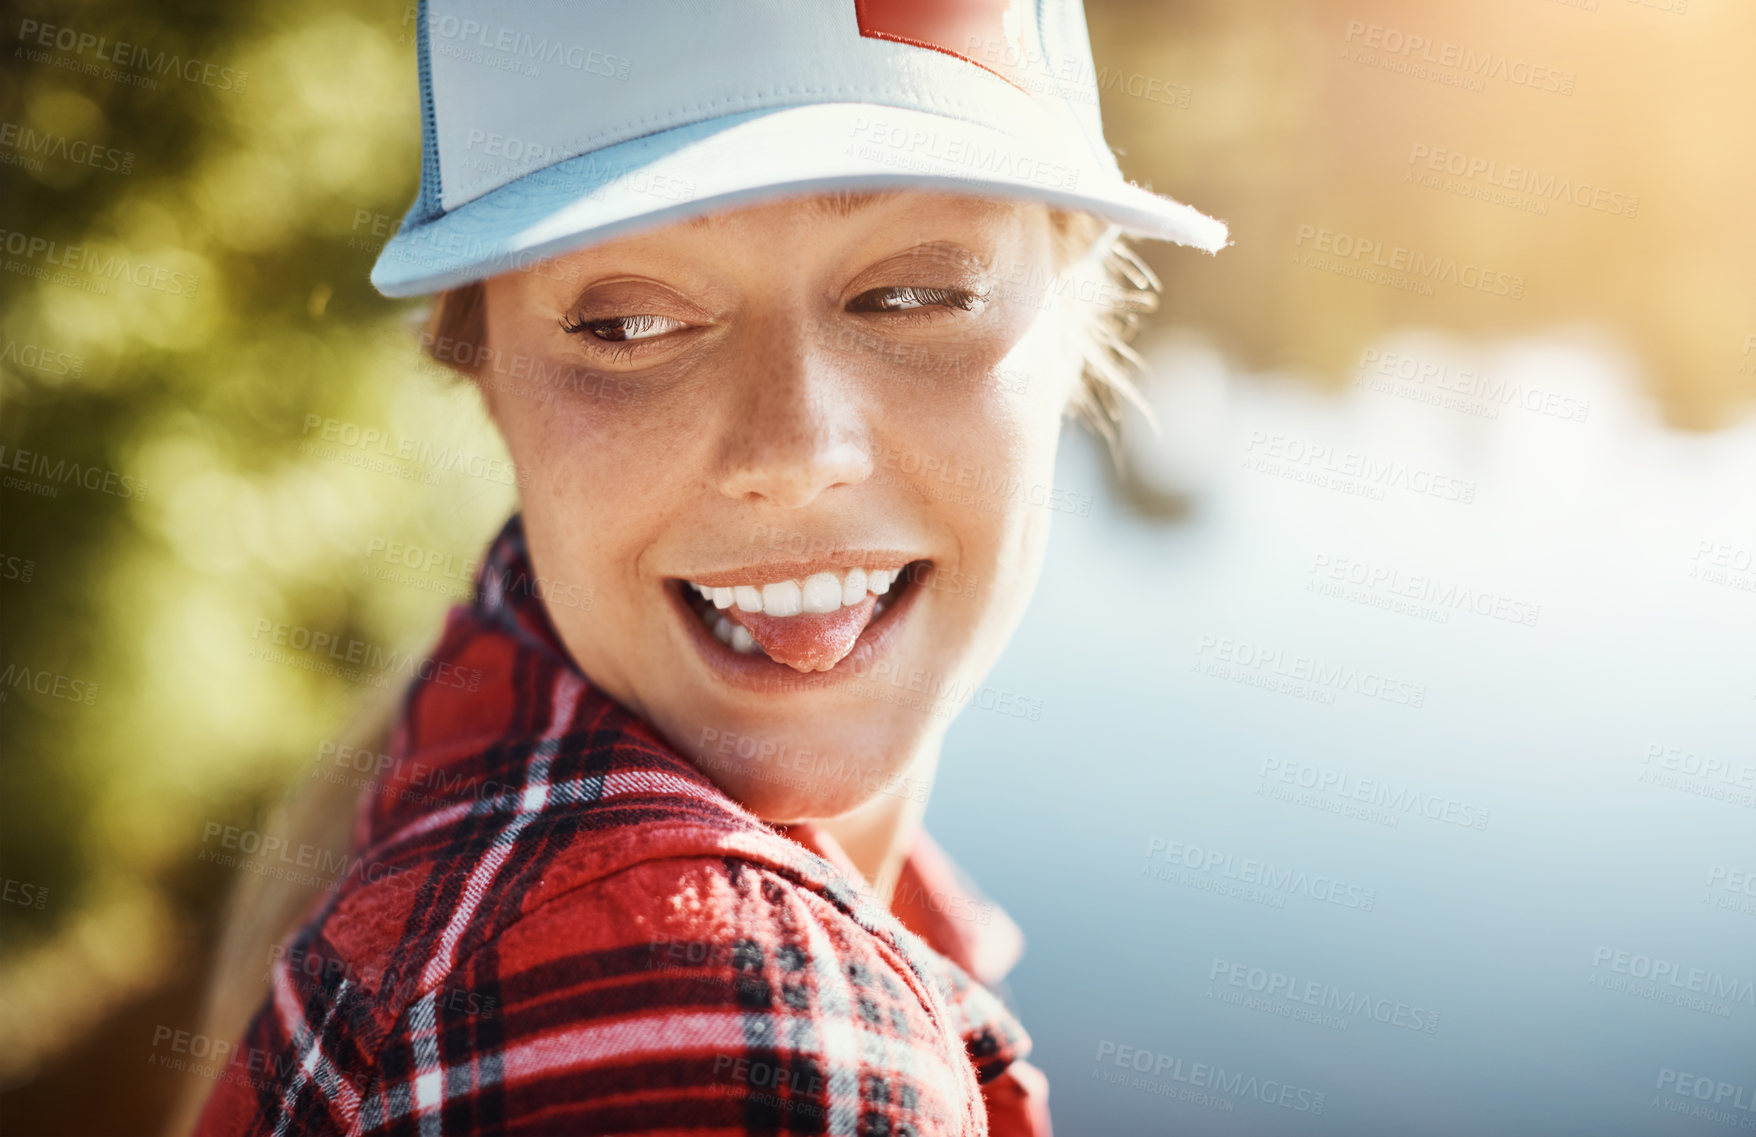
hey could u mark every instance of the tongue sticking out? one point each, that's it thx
(808, 641)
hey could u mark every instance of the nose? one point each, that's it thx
(795, 428)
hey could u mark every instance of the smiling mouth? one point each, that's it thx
(806, 624)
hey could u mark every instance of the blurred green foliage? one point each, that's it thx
(189, 222)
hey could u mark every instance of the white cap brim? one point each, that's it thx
(744, 158)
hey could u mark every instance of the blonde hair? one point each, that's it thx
(1127, 291)
(1112, 290)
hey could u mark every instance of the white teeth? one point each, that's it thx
(853, 590)
(822, 593)
(726, 632)
(782, 598)
(818, 593)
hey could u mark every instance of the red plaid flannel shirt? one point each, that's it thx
(555, 924)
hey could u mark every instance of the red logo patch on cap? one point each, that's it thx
(987, 33)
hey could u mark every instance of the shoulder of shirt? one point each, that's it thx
(457, 878)
(417, 905)
(703, 979)
(640, 929)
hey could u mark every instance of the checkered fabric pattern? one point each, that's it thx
(569, 929)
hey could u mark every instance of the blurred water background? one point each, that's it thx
(1429, 792)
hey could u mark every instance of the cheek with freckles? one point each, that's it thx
(604, 465)
(985, 462)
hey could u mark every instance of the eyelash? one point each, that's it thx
(913, 303)
(574, 326)
(959, 299)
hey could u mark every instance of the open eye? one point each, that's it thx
(621, 329)
(909, 298)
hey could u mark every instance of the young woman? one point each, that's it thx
(779, 310)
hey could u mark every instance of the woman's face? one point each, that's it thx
(766, 403)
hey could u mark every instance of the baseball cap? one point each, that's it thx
(548, 125)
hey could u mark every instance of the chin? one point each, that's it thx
(784, 774)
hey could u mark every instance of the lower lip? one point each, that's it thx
(754, 671)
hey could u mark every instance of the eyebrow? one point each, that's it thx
(844, 203)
